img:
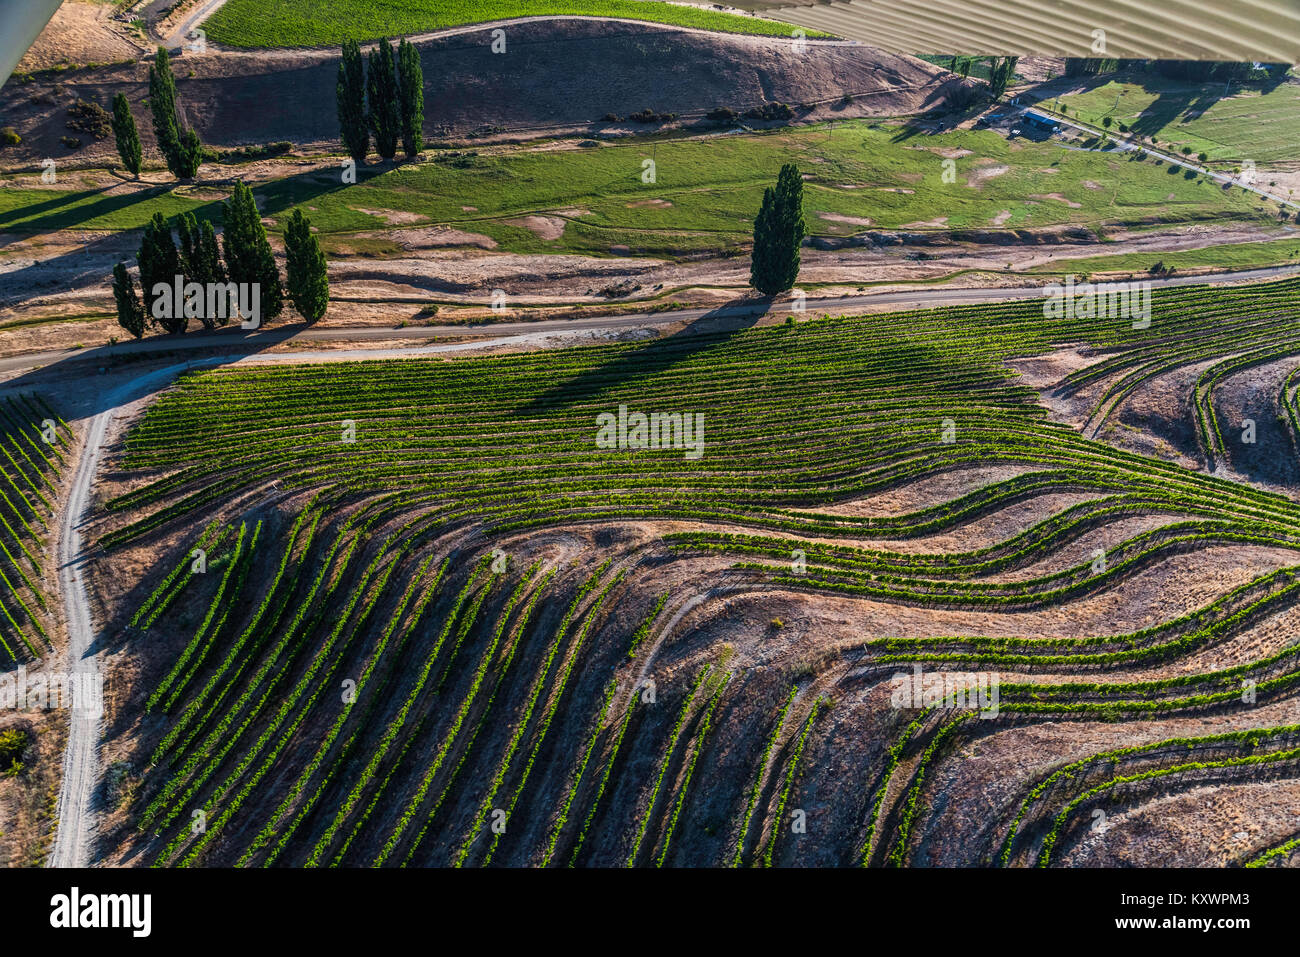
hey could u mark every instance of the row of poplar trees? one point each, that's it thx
(180, 145)
(248, 260)
(385, 102)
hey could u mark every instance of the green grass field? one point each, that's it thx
(1263, 127)
(309, 23)
(705, 191)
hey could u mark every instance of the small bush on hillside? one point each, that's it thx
(90, 118)
(245, 154)
(9, 137)
(71, 142)
(770, 112)
(650, 116)
(12, 745)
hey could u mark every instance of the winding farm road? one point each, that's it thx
(77, 812)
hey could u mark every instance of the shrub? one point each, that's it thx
(9, 137)
(721, 114)
(650, 116)
(1202, 157)
(770, 112)
(90, 118)
(12, 745)
(244, 154)
(71, 142)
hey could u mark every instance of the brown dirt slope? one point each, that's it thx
(81, 33)
(544, 81)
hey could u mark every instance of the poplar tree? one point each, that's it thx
(248, 253)
(381, 89)
(411, 97)
(162, 106)
(160, 264)
(779, 230)
(182, 151)
(351, 95)
(127, 136)
(189, 156)
(130, 312)
(307, 270)
(187, 227)
(1000, 73)
(210, 254)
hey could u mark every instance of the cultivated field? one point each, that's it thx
(309, 23)
(434, 601)
(687, 447)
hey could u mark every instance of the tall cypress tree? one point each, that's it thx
(187, 228)
(248, 253)
(160, 264)
(410, 75)
(381, 87)
(210, 255)
(760, 267)
(189, 156)
(790, 225)
(162, 105)
(130, 313)
(779, 230)
(1001, 70)
(308, 278)
(183, 151)
(201, 260)
(127, 135)
(351, 95)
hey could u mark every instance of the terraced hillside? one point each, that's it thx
(449, 617)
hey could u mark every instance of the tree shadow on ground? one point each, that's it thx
(710, 331)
